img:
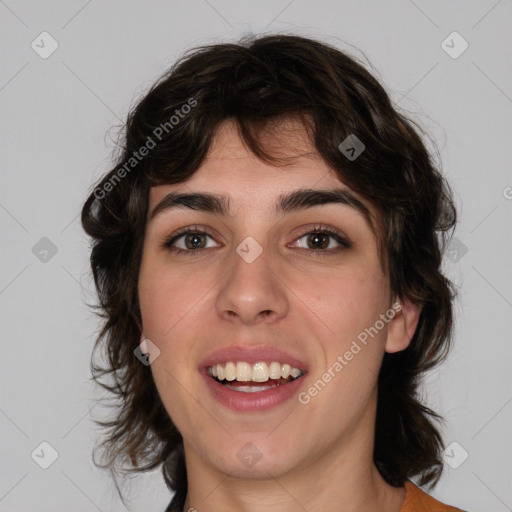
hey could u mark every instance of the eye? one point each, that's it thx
(194, 240)
(320, 238)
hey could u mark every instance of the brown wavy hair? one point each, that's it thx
(257, 81)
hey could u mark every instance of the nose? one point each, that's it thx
(252, 291)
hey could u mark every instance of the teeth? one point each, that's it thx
(294, 372)
(243, 372)
(259, 372)
(250, 389)
(275, 370)
(230, 371)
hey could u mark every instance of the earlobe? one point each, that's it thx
(143, 344)
(403, 326)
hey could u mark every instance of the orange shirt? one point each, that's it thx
(418, 501)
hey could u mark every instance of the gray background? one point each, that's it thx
(57, 125)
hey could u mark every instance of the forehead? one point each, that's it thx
(283, 137)
(231, 169)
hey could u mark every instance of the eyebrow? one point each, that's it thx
(291, 201)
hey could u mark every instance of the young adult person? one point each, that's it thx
(271, 238)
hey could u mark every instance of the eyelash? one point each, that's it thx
(344, 242)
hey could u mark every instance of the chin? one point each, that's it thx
(256, 460)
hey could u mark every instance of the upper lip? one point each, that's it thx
(251, 355)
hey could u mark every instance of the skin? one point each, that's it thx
(314, 457)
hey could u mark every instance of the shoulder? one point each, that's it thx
(417, 500)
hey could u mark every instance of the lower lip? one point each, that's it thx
(257, 401)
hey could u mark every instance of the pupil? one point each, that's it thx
(316, 237)
(195, 238)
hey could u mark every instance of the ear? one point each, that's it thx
(403, 325)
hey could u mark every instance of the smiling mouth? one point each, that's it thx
(252, 378)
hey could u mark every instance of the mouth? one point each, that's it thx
(256, 378)
(244, 377)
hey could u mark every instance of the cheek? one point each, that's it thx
(176, 307)
(160, 306)
(169, 296)
(345, 302)
(169, 309)
(352, 349)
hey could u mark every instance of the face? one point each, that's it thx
(254, 291)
